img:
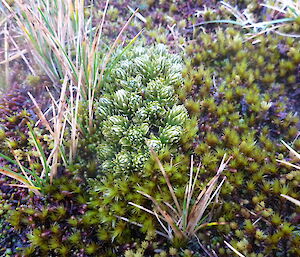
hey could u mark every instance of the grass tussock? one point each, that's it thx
(183, 221)
(66, 45)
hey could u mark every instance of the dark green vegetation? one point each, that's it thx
(61, 224)
(231, 95)
(241, 93)
(13, 118)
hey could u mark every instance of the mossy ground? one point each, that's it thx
(242, 97)
(244, 109)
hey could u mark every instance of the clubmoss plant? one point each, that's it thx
(138, 109)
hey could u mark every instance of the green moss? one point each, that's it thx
(64, 226)
(246, 113)
(237, 92)
(33, 80)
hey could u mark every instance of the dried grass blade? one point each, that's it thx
(289, 164)
(58, 121)
(41, 115)
(200, 206)
(115, 44)
(106, 60)
(163, 226)
(142, 208)
(20, 178)
(168, 181)
(188, 195)
(190, 184)
(92, 54)
(126, 48)
(14, 175)
(21, 53)
(234, 250)
(172, 209)
(98, 33)
(15, 56)
(287, 34)
(281, 10)
(293, 200)
(216, 191)
(205, 250)
(6, 49)
(27, 170)
(236, 13)
(166, 216)
(49, 36)
(291, 149)
(22, 169)
(138, 15)
(24, 186)
(74, 117)
(262, 32)
(195, 179)
(204, 197)
(4, 20)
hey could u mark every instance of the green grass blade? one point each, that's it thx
(40, 149)
(269, 23)
(47, 22)
(218, 21)
(185, 213)
(65, 54)
(293, 11)
(63, 155)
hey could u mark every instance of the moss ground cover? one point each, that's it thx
(227, 83)
(242, 110)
